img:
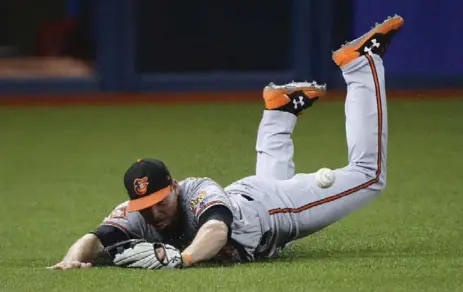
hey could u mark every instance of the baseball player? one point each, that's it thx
(174, 224)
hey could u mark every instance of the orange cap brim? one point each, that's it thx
(149, 200)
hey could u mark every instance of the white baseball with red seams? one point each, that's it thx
(325, 177)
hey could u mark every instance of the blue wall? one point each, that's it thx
(276, 40)
(431, 40)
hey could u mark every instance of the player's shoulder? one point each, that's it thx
(129, 222)
(192, 186)
(122, 205)
(200, 193)
(197, 181)
(119, 212)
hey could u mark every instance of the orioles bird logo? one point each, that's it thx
(140, 185)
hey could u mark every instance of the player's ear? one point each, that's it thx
(175, 186)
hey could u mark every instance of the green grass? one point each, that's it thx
(61, 174)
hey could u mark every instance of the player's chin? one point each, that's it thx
(160, 225)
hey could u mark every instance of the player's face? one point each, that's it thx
(163, 213)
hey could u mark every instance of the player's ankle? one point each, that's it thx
(298, 103)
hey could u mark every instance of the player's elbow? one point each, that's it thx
(216, 223)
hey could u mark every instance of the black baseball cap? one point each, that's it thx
(148, 182)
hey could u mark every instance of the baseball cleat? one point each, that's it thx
(293, 97)
(375, 41)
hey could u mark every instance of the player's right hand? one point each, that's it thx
(67, 265)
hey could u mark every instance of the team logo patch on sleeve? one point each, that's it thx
(119, 213)
(196, 200)
(140, 185)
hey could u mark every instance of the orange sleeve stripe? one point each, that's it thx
(208, 205)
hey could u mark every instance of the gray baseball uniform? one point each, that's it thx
(277, 206)
(196, 196)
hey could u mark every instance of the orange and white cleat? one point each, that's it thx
(375, 41)
(292, 97)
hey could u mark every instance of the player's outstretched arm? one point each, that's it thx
(80, 254)
(210, 239)
(212, 236)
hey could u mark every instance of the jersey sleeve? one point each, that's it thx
(205, 195)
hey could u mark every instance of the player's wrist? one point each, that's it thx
(186, 259)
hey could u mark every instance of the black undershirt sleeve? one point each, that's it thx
(220, 213)
(109, 235)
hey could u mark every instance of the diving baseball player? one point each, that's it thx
(174, 224)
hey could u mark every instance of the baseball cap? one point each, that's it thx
(148, 182)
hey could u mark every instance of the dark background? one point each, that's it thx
(174, 36)
(132, 43)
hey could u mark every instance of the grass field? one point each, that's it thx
(61, 174)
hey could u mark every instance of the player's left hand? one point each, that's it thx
(149, 256)
(67, 265)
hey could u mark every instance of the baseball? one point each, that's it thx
(325, 177)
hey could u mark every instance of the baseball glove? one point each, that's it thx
(106, 257)
(146, 255)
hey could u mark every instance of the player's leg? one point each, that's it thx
(364, 178)
(274, 146)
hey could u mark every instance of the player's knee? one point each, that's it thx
(380, 184)
(378, 177)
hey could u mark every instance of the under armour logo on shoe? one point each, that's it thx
(374, 44)
(299, 102)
